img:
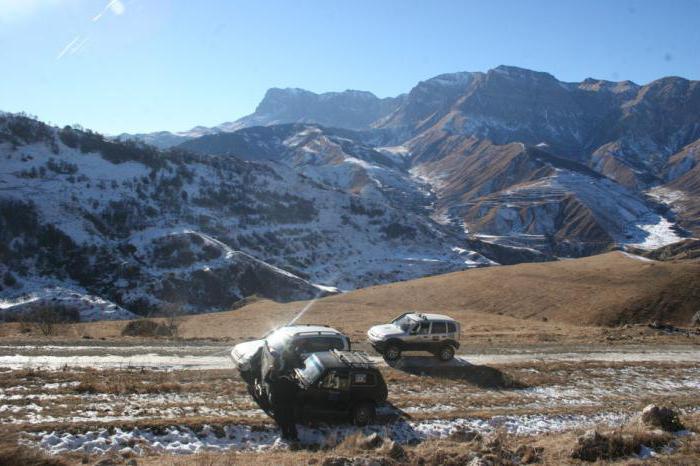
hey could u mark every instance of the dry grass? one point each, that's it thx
(13, 454)
(127, 382)
(491, 301)
(553, 302)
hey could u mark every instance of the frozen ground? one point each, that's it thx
(185, 440)
(185, 399)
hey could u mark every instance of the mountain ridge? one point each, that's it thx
(466, 170)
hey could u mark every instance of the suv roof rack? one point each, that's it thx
(317, 332)
(353, 358)
(307, 325)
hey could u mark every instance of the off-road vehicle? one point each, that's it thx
(288, 345)
(337, 383)
(435, 333)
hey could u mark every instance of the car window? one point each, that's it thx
(335, 380)
(439, 328)
(404, 322)
(363, 379)
(451, 327)
(424, 328)
(327, 343)
(313, 344)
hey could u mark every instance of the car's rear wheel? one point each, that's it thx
(446, 353)
(364, 413)
(392, 353)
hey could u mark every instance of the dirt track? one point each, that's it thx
(208, 357)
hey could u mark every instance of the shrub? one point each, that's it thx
(61, 167)
(46, 317)
(146, 328)
(396, 230)
(595, 446)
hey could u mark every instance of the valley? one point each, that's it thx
(556, 221)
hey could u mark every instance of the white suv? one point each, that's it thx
(435, 333)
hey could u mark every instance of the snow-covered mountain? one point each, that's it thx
(315, 191)
(519, 158)
(515, 154)
(143, 228)
(350, 109)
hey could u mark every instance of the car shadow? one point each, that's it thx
(391, 423)
(458, 369)
(388, 413)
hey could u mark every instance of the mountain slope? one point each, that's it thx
(525, 196)
(682, 190)
(607, 289)
(135, 225)
(337, 158)
(623, 130)
(349, 190)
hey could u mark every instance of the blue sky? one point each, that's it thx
(146, 65)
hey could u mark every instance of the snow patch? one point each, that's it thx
(90, 307)
(184, 440)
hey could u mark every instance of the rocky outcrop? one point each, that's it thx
(660, 418)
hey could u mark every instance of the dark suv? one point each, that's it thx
(333, 383)
(289, 345)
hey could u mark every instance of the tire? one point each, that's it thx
(392, 353)
(446, 353)
(364, 413)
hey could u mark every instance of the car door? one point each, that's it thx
(363, 384)
(438, 333)
(330, 393)
(421, 338)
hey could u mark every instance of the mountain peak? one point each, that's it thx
(520, 73)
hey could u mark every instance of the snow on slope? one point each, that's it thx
(143, 228)
(90, 307)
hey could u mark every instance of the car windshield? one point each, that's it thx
(311, 371)
(404, 322)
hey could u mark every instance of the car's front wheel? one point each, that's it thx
(446, 353)
(364, 413)
(392, 353)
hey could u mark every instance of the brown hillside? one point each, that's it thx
(601, 290)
